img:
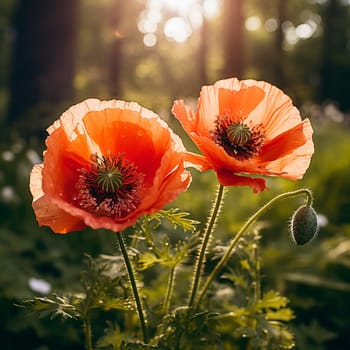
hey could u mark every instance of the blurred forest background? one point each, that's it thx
(54, 53)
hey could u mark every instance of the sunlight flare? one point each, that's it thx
(176, 19)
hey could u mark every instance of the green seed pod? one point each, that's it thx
(239, 134)
(304, 225)
(110, 180)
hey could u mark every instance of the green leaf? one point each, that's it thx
(284, 314)
(179, 330)
(176, 219)
(147, 260)
(166, 254)
(102, 281)
(272, 300)
(108, 303)
(245, 264)
(112, 337)
(62, 306)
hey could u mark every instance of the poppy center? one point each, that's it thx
(238, 133)
(110, 186)
(239, 140)
(110, 180)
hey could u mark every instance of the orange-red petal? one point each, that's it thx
(102, 128)
(47, 213)
(228, 178)
(197, 161)
(225, 96)
(288, 145)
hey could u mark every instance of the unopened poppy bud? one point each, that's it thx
(304, 225)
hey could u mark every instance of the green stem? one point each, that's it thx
(169, 291)
(245, 227)
(202, 252)
(134, 288)
(257, 283)
(87, 332)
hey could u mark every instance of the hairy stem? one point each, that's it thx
(257, 283)
(133, 284)
(245, 227)
(169, 290)
(87, 332)
(205, 240)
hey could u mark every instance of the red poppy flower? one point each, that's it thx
(244, 128)
(106, 164)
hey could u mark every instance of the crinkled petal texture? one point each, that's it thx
(287, 147)
(96, 127)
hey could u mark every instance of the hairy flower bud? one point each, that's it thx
(304, 225)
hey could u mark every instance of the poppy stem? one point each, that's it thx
(205, 240)
(257, 267)
(87, 332)
(133, 284)
(244, 229)
(170, 288)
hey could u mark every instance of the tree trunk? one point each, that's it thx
(279, 55)
(329, 49)
(202, 53)
(115, 57)
(42, 75)
(233, 38)
(335, 64)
